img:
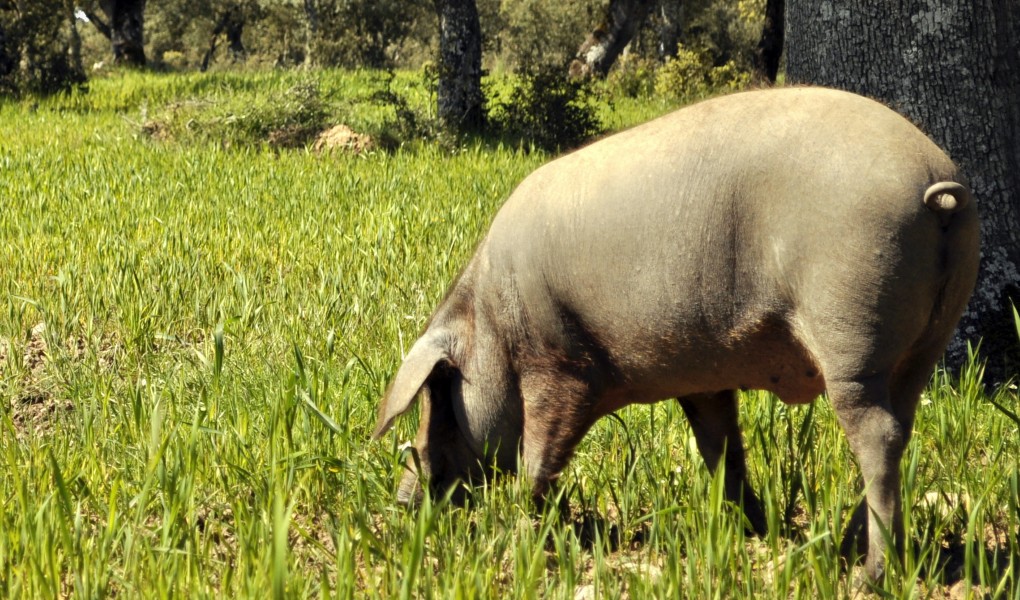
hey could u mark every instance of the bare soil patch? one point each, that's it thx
(342, 137)
(36, 403)
(34, 408)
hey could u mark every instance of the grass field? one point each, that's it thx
(194, 339)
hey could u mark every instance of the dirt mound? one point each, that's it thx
(157, 130)
(342, 137)
(37, 399)
(35, 350)
(34, 408)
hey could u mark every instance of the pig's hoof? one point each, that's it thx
(410, 492)
(863, 585)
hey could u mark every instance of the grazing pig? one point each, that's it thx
(796, 240)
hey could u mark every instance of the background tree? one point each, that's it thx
(123, 25)
(526, 35)
(459, 91)
(669, 15)
(724, 31)
(172, 31)
(230, 24)
(358, 33)
(598, 52)
(954, 68)
(8, 51)
(770, 46)
(37, 47)
(311, 28)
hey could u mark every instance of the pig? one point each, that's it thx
(795, 240)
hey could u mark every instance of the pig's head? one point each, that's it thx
(470, 413)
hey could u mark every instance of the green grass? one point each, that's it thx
(193, 418)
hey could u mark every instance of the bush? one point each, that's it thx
(690, 75)
(406, 124)
(174, 60)
(546, 109)
(725, 30)
(286, 120)
(289, 121)
(633, 76)
(284, 111)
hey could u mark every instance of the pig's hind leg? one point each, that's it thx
(882, 429)
(877, 437)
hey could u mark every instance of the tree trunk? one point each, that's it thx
(231, 25)
(459, 96)
(670, 26)
(622, 20)
(235, 31)
(953, 68)
(99, 24)
(75, 42)
(311, 31)
(127, 30)
(213, 40)
(8, 62)
(770, 46)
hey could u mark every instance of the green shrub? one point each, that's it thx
(406, 124)
(728, 77)
(690, 75)
(290, 112)
(633, 76)
(546, 109)
(726, 30)
(288, 119)
(684, 75)
(174, 60)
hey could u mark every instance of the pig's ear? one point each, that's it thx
(426, 353)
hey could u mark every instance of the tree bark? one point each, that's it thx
(75, 42)
(459, 94)
(311, 31)
(235, 32)
(670, 26)
(770, 46)
(230, 23)
(98, 23)
(8, 62)
(954, 68)
(213, 40)
(599, 51)
(127, 30)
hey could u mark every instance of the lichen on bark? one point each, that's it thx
(459, 92)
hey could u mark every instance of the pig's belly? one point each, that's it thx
(767, 358)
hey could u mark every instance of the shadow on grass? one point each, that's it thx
(958, 561)
(962, 560)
